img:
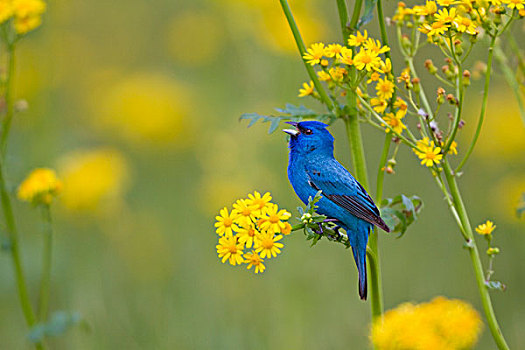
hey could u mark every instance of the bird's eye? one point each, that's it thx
(308, 132)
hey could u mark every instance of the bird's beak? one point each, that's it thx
(292, 132)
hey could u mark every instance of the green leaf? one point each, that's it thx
(274, 125)
(295, 111)
(57, 325)
(400, 212)
(367, 14)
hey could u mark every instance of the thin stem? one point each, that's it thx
(43, 301)
(483, 105)
(460, 89)
(302, 49)
(352, 26)
(343, 18)
(381, 168)
(475, 258)
(8, 118)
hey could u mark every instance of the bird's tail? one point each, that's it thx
(360, 261)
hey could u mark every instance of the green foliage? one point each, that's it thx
(400, 212)
(368, 15)
(59, 323)
(289, 112)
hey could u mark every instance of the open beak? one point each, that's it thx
(292, 132)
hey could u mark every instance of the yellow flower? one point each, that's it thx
(444, 16)
(260, 201)
(245, 211)
(287, 229)
(26, 24)
(386, 67)
(226, 222)
(247, 235)
(439, 324)
(346, 56)
(373, 77)
(323, 76)
(405, 76)
(385, 89)
(430, 8)
(28, 8)
(437, 28)
(314, 54)
(337, 73)
(375, 46)
(6, 10)
(430, 155)
(253, 259)
(40, 186)
(93, 179)
(267, 244)
(367, 59)
(231, 250)
(486, 228)
(446, 3)
(378, 104)
(515, 4)
(333, 50)
(307, 89)
(358, 38)
(272, 218)
(401, 104)
(395, 121)
(453, 147)
(464, 24)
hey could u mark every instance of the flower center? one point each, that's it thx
(232, 249)
(366, 59)
(227, 222)
(267, 243)
(273, 219)
(430, 155)
(246, 212)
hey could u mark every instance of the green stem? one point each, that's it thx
(475, 258)
(43, 301)
(381, 170)
(302, 49)
(343, 18)
(352, 26)
(8, 118)
(483, 105)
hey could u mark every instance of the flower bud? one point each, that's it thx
(493, 251)
(466, 78)
(324, 62)
(406, 43)
(416, 85)
(429, 65)
(306, 218)
(451, 99)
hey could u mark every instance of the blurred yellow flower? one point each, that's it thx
(40, 186)
(307, 89)
(93, 179)
(253, 259)
(27, 14)
(230, 249)
(267, 244)
(194, 38)
(6, 10)
(440, 324)
(486, 228)
(146, 108)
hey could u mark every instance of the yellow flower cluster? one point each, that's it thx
(439, 324)
(40, 186)
(486, 228)
(26, 14)
(254, 223)
(431, 154)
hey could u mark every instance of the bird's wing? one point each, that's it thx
(339, 186)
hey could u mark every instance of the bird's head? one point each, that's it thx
(310, 137)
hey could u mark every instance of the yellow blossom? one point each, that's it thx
(401, 104)
(267, 244)
(246, 235)
(445, 16)
(314, 54)
(226, 222)
(273, 219)
(405, 76)
(385, 89)
(93, 179)
(436, 28)
(430, 155)
(27, 8)
(358, 38)
(515, 4)
(464, 24)
(307, 89)
(394, 120)
(230, 249)
(287, 229)
(346, 56)
(26, 24)
(486, 228)
(6, 10)
(337, 73)
(254, 259)
(367, 59)
(375, 46)
(378, 104)
(446, 3)
(323, 76)
(333, 50)
(386, 67)
(453, 147)
(430, 7)
(373, 77)
(260, 201)
(40, 186)
(245, 212)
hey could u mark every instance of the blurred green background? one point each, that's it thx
(136, 104)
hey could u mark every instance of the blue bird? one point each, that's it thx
(312, 167)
